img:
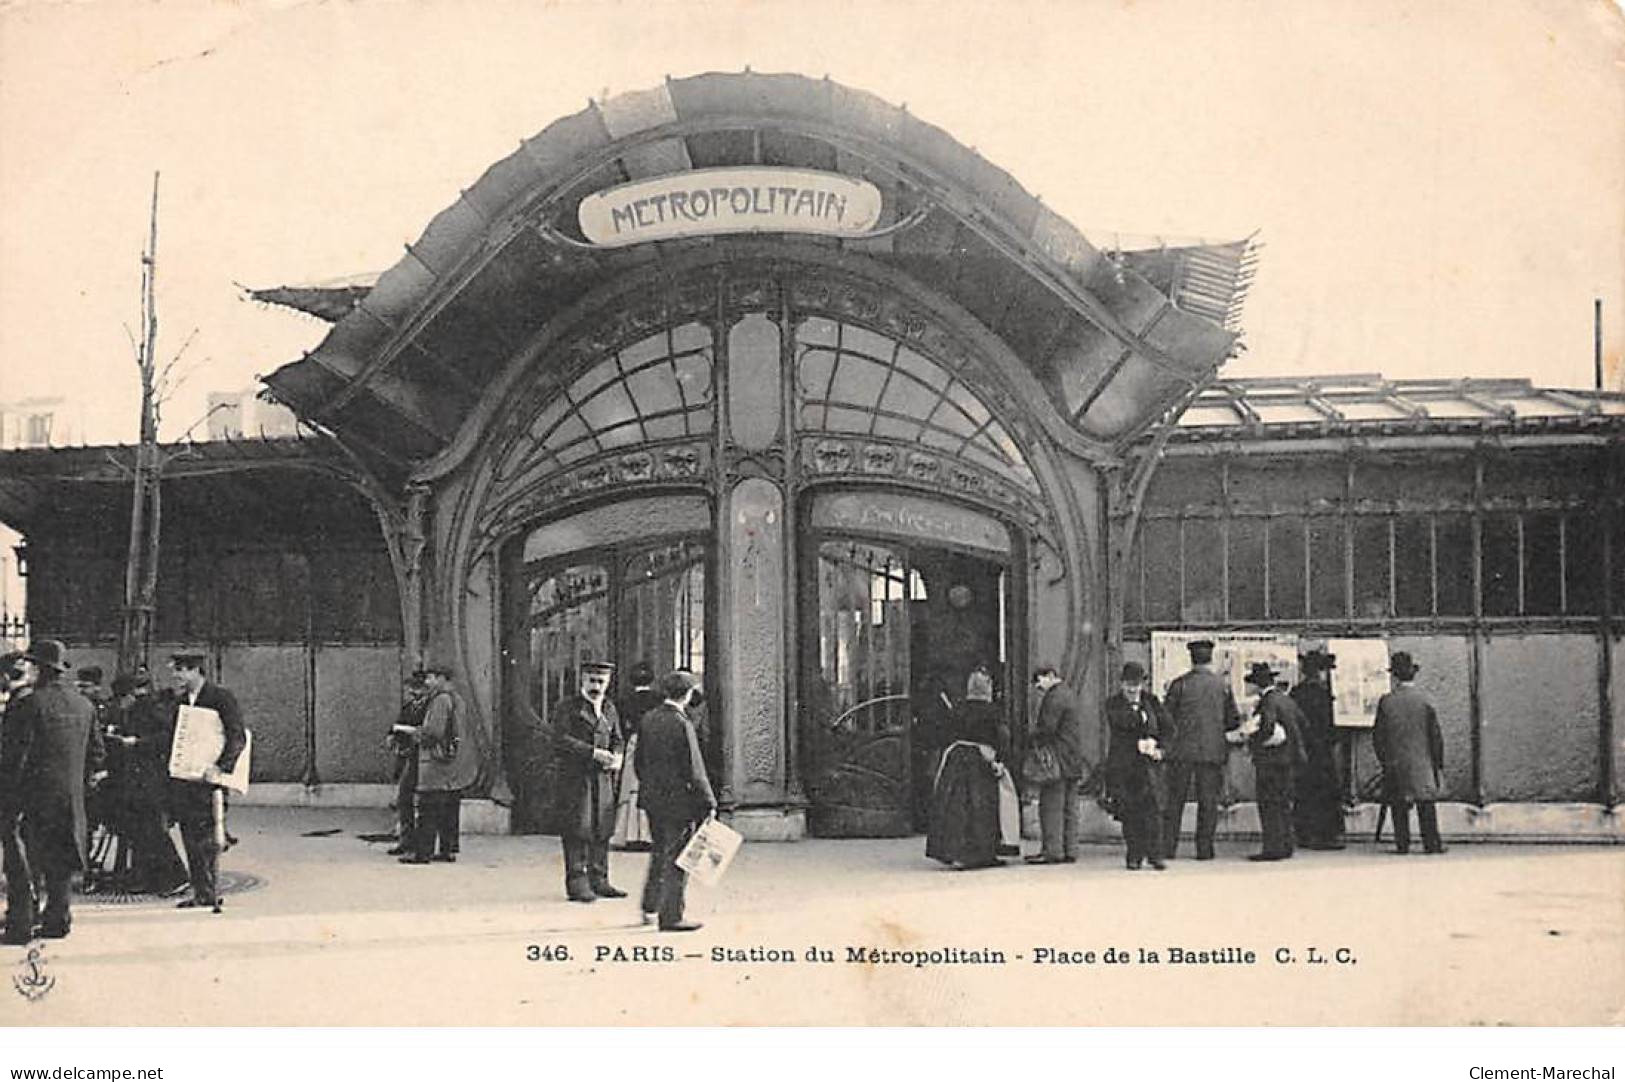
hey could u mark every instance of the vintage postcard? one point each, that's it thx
(812, 513)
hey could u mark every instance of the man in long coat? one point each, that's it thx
(193, 801)
(145, 729)
(1201, 710)
(1275, 742)
(1317, 809)
(587, 754)
(1411, 749)
(1059, 728)
(448, 762)
(43, 766)
(1134, 766)
(676, 793)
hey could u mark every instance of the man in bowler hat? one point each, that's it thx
(1134, 766)
(44, 745)
(193, 801)
(1275, 742)
(1201, 710)
(1411, 749)
(587, 750)
(676, 793)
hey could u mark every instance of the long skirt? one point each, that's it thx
(631, 822)
(964, 809)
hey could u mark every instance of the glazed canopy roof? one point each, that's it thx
(1115, 337)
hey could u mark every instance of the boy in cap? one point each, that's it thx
(1411, 749)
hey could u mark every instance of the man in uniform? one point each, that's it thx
(1411, 749)
(1058, 728)
(44, 748)
(193, 801)
(448, 763)
(1274, 738)
(1317, 810)
(1200, 709)
(676, 793)
(587, 751)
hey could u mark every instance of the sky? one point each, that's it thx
(1438, 187)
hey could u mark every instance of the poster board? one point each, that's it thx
(1360, 679)
(199, 738)
(1233, 654)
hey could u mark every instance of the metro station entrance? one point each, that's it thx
(891, 630)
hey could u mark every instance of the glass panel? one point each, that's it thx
(1583, 564)
(896, 429)
(1500, 549)
(663, 608)
(1286, 568)
(627, 435)
(1160, 540)
(1204, 572)
(963, 398)
(952, 419)
(816, 368)
(641, 353)
(694, 377)
(1542, 565)
(867, 342)
(818, 331)
(654, 389)
(1326, 559)
(568, 621)
(907, 396)
(1453, 560)
(664, 428)
(848, 420)
(689, 337)
(594, 378)
(753, 382)
(567, 432)
(857, 382)
(921, 369)
(1247, 568)
(1413, 565)
(862, 638)
(610, 407)
(1370, 567)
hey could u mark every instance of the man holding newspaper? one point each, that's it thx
(198, 804)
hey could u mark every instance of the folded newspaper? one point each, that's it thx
(200, 737)
(709, 852)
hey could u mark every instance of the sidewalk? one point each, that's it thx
(340, 933)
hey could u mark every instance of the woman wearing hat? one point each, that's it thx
(1411, 749)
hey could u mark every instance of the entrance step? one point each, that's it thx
(768, 824)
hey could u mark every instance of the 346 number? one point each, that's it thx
(550, 953)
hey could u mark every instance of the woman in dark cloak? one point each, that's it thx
(965, 798)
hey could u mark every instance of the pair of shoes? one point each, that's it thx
(53, 931)
(1328, 847)
(1133, 865)
(1204, 856)
(1435, 852)
(682, 926)
(1069, 860)
(16, 937)
(604, 890)
(1401, 852)
(648, 917)
(195, 903)
(444, 858)
(1040, 858)
(1257, 857)
(231, 840)
(1158, 865)
(395, 850)
(1008, 851)
(577, 896)
(637, 847)
(412, 858)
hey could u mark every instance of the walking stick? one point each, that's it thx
(217, 807)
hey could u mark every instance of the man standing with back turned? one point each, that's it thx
(1201, 709)
(676, 793)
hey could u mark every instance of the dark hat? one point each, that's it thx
(1317, 661)
(9, 658)
(1201, 650)
(605, 667)
(90, 674)
(437, 668)
(1133, 672)
(123, 684)
(189, 659)
(1402, 666)
(417, 677)
(49, 653)
(1260, 674)
(674, 684)
(643, 674)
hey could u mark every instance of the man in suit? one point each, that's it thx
(1201, 709)
(1134, 766)
(1275, 741)
(402, 741)
(44, 761)
(193, 801)
(676, 793)
(1059, 728)
(448, 763)
(1411, 749)
(1317, 808)
(587, 753)
(143, 727)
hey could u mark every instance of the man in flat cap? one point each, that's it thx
(44, 745)
(193, 801)
(676, 793)
(1201, 709)
(1410, 747)
(587, 752)
(1317, 809)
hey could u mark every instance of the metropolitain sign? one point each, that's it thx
(751, 199)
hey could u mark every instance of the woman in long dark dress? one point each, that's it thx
(965, 799)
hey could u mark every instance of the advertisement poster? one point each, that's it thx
(1361, 678)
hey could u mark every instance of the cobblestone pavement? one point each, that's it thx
(337, 932)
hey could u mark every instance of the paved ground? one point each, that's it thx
(340, 933)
